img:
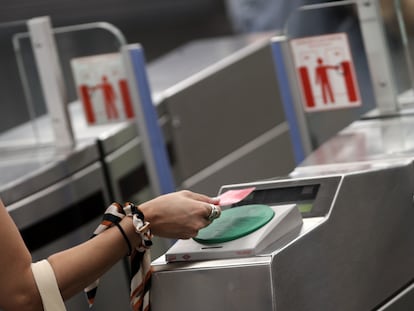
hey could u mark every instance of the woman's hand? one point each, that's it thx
(178, 215)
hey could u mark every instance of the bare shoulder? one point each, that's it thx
(14, 252)
(15, 260)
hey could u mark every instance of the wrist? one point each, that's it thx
(147, 211)
(140, 224)
(129, 229)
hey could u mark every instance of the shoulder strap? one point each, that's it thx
(47, 285)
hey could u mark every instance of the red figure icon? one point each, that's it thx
(87, 104)
(109, 98)
(322, 78)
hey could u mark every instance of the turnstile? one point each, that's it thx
(352, 252)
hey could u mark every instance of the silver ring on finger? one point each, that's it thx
(215, 212)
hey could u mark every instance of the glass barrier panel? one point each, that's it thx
(399, 25)
(330, 63)
(15, 108)
(24, 122)
(72, 42)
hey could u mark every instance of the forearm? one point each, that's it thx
(81, 265)
(175, 215)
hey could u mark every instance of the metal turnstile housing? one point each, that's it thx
(354, 252)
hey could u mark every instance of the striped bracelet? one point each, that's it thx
(141, 226)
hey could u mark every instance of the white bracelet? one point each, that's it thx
(47, 285)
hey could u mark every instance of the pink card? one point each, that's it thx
(234, 196)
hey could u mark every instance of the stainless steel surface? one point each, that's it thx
(193, 61)
(84, 134)
(30, 168)
(364, 247)
(29, 210)
(224, 107)
(386, 139)
(355, 255)
(253, 161)
(222, 288)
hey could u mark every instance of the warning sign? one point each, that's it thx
(325, 72)
(102, 88)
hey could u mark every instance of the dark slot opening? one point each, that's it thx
(64, 222)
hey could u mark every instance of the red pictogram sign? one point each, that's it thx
(325, 72)
(102, 88)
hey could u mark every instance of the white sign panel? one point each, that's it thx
(102, 88)
(325, 72)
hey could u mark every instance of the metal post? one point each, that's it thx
(289, 91)
(372, 28)
(51, 78)
(155, 153)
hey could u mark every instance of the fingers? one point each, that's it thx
(213, 209)
(200, 197)
(181, 214)
(202, 220)
(213, 212)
